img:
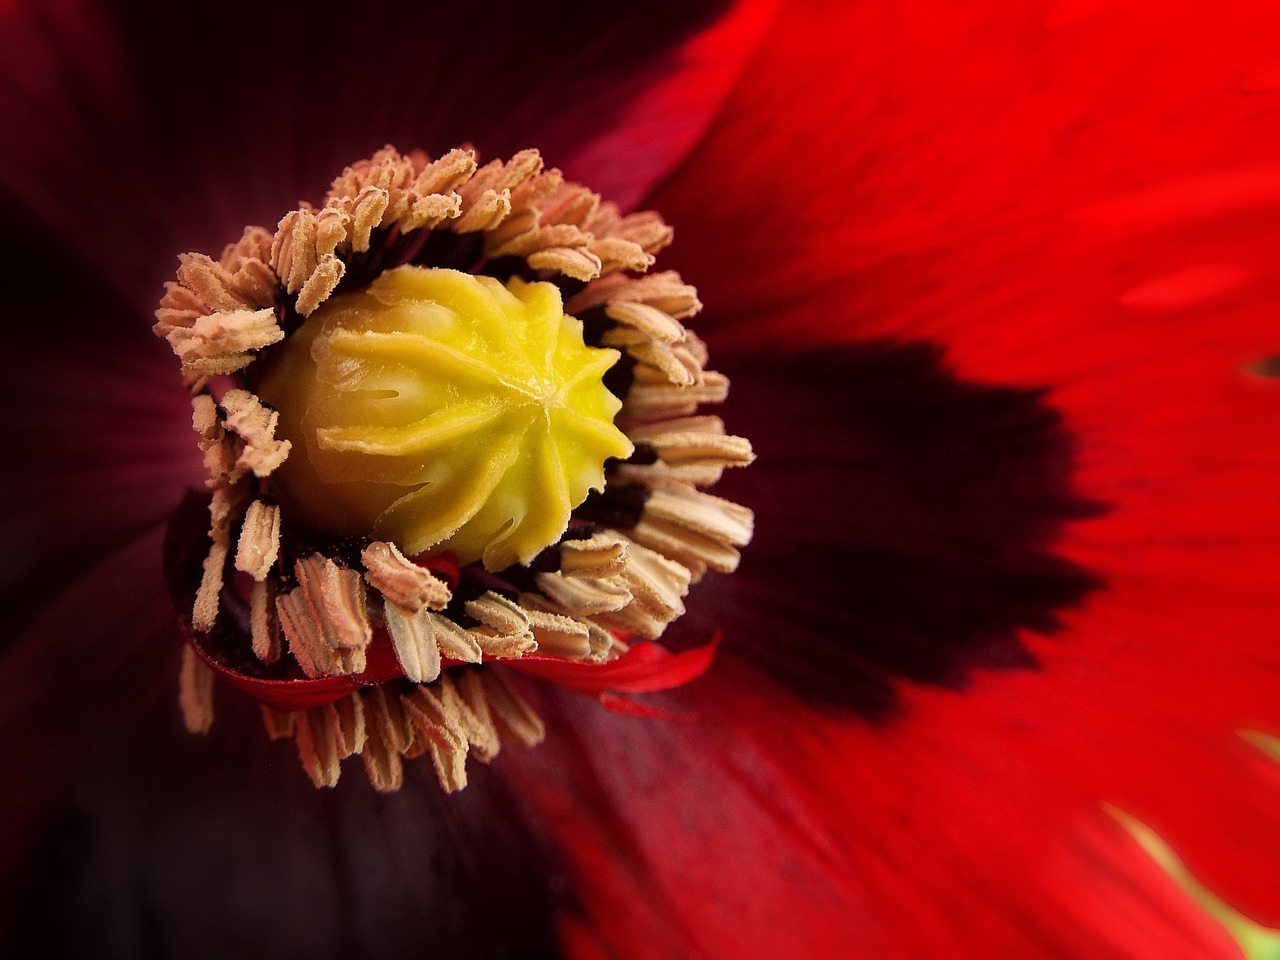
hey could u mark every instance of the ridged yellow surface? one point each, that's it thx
(443, 411)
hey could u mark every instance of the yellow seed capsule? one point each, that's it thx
(443, 411)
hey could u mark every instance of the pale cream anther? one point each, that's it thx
(504, 629)
(581, 596)
(403, 582)
(255, 424)
(279, 724)
(414, 639)
(221, 343)
(259, 542)
(195, 692)
(511, 713)
(318, 748)
(324, 618)
(264, 627)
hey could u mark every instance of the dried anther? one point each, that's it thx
(405, 584)
(385, 522)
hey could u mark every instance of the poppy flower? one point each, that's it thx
(989, 284)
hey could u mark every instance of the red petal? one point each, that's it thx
(778, 832)
(301, 693)
(652, 133)
(994, 179)
(645, 668)
(1083, 199)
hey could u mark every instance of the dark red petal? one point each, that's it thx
(134, 166)
(906, 525)
(99, 437)
(214, 847)
(75, 675)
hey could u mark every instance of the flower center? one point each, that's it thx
(399, 458)
(444, 411)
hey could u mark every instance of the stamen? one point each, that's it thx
(482, 733)
(657, 586)
(324, 618)
(645, 319)
(279, 724)
(414, 639)
(559, 635)
(256, 426)
(455, 642)
(204, 420)
(350, 724)
(512, 716)
(662, 291)
(476, 727)
(691, 450)
(259, 543)
(390, 735)
(318, 748)
(223, 508)
(221, 343)
(404, 583)
(324, 279)
(213, 285)
(195, 692)
(601, 555)
(504, 626)
(695, 528)
(263, 627)
(442, 735)
(584, 595)
(654, 396)
(589, 579)
(678, 366)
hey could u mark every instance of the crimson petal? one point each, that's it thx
(1074, 196)
(645, 668)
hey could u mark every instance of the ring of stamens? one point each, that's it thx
(621, 569)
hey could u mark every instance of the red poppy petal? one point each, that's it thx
(774, 831)
(645, 668)
(906, 523)
(281, 103)
(999, 180)
(656, 130)
(1084, 203)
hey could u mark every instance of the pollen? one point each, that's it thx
(450, 422)
(444, 411)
